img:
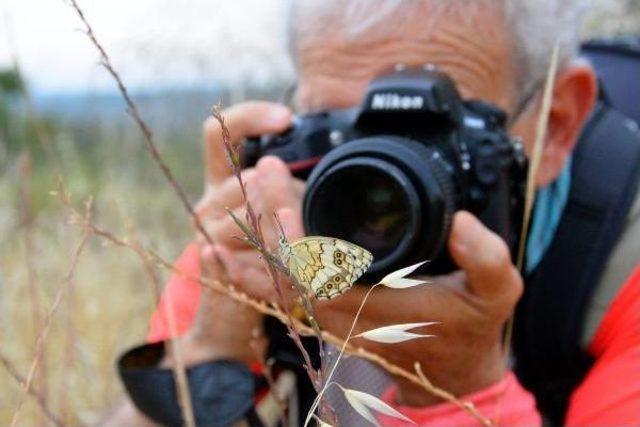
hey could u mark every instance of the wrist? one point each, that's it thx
(195, 350)
(481, 374)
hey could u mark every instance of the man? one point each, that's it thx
(494, 51)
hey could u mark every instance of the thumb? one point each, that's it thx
(484, 257)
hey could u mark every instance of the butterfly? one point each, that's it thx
(325, 265)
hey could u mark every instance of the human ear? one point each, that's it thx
(574, 97)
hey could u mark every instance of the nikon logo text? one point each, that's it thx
(393, 101)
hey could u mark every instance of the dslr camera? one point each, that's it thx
(389, 175)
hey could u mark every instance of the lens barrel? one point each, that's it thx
(390, 195)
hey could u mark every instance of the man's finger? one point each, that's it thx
(242, 120)
(485, 258)
(247, 271)
(226, 194)
(226, 232)
(276, 184)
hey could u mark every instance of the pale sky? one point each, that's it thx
(153, 43)
(158, 43)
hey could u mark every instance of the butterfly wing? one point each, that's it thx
(328, 266)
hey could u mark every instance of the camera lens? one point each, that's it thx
(368, 202)
(392, 196)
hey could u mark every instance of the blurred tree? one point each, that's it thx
(10, 81)
(10, 85)
(19, 127)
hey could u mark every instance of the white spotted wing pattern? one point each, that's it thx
(325, 265)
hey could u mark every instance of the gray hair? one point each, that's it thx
(535, 25)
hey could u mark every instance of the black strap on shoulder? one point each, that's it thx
(617, 62)
(550, 317)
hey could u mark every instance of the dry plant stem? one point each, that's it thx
(49, 318)
(146, 262)
(37, 396)
(178, 367)
(536, 156)
(179, 371)
(181, 379)
(534, 165)
(466, 406)
(26, 214)
(46, 145)
(303, 294)
(132, 109)
(255, 238)
(271, 310)
(271, 263)
(70, 358)
(327, 380)
(530, 194)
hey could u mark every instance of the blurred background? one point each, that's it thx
(60, 115)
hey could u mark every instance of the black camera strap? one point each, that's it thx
(550, 318)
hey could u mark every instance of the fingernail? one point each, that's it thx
(279, 115)
(271, 166)
(466, 229)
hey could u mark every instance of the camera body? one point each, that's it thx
(388, 175)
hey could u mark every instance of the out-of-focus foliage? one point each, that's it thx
(18, 128)
(10, 84)
(10, 81)
(110, 299)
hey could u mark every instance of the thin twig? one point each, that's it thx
(26, 215)
(327, 381)
(530, 193)
(132, 109)
(50, 315)
(37, 396)
(445, 395)
(147, 265)
(178, 367)
(254, 236)
(534, 165)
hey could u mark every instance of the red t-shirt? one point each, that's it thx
(608, 396)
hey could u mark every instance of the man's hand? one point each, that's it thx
(270, 189)
(223, 328)
(471, 305)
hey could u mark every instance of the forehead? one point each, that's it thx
(339, 51)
